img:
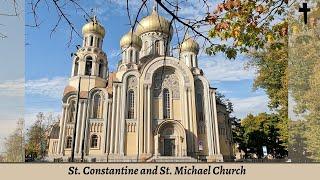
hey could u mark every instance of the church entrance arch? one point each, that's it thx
(170, 139)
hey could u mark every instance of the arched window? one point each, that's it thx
(130, 104)
(146, 47)
(98, 42)
(94, 141)
(76, 67)
(97, 106)
(199, 104)
(191, 61)
(72, 111)
(85, 41)
(131, 55)
(101, 69)
(88, 69)
(166, 104)
(91, 40)
(137, 56)
(157, 46)
(69, 142)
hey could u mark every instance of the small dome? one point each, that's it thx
(154, 23)
(131, 39)
(93, 27)
(189, 45)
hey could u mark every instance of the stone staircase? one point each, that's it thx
(169, 159)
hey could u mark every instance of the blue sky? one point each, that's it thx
(11, 70)
(48, 62)
(35, 75)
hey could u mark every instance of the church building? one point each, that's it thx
(153, 108)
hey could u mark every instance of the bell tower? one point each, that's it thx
(90, 64)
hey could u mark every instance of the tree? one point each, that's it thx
(304, 79)
(272, 69)
(244, 25)
(261, 130)
(14, 144)
(36, 136)
(297, 142)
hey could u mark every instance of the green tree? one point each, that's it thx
(261, 130)
(259, 29)
(272, 67)
(37, 136)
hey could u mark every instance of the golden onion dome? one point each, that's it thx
(189, 45)
(93, 27)
(154, 23)
(131, 38)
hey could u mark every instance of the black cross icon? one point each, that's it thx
(305, 11)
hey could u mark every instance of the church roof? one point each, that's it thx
(154, 23)
(68, 89)
(93, 27)
(131, 39)
(189, 45)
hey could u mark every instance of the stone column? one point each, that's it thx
(61, 125)
(78, 127)
(156, 145)
(193, 119)
(105, 124)
(190, 120)
(145, 118)
(114, 113)
(216, 123)
(149, 135)
(108, 127)
(140, 116)
(117, 121)
(208, 119)
(94, 68)
(83, 121)
(186, 109)
(122, 121)
(66, 115)
(86, 136)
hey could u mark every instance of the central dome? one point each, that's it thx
(154, 23)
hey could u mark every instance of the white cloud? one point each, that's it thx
(253, 105)
(52, 88)
(219, 69)
(12, 88)
(47, 97)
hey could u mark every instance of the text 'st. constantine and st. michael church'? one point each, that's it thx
(154, 108)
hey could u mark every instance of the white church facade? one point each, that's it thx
(153, 108)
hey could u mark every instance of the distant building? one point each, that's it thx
(155, 107)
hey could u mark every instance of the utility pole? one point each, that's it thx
(75, 123)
